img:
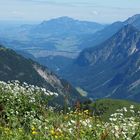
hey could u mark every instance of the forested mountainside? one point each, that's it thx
(16, 67)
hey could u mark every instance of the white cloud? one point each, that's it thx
(95, 13)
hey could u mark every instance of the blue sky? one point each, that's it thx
(103, 11)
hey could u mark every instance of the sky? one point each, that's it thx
(102, 11)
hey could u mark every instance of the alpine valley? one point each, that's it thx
(101, 61)
(69, 70)
(110, 69)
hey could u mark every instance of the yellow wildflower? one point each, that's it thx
(33, 128)
(52, 132)
(86, 111)
(20, 130)
(56, 136)
(34, 132)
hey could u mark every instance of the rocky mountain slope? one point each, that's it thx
(16, 67)
(111, 69)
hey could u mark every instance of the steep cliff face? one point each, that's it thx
(121, 45)
(110, 69)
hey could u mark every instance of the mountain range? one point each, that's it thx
(60, 36)
(104, 34)
(108, 62)
(111, 69)
(51, 59)
(59, 62)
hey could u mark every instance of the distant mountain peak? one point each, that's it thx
(133, 19)
(68, 20)
(66, 26)
(62, 19)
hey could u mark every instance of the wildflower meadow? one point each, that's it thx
(26, 115)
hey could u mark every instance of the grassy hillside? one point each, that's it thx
(105, 107)
(25, 114)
